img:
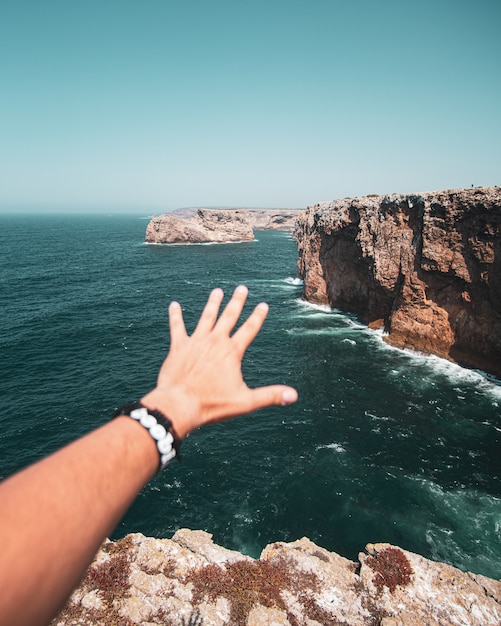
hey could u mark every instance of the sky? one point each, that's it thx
(153, 105)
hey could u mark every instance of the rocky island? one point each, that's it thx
(425, 267)
(189, 580)
(216, 225)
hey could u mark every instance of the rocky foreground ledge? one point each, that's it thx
(217, 225)
(426, 267)
(189, 580)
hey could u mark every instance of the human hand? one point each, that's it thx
(200, 382)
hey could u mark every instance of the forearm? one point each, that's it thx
(55, 515)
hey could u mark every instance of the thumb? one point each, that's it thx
(272, 395)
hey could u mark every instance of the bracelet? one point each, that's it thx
(158, 426)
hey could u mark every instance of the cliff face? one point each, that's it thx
(190, 580)
(426, 267)
(217, 226)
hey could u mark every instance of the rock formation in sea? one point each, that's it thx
(205, 226)
(217, 225)
(189, 580)
(426, 267)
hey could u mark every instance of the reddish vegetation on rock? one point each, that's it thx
(426, 267)
(392, 568)
(190, 580)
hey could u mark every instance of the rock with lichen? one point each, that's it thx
(190, 581)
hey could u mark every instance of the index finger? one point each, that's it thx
(176, 323)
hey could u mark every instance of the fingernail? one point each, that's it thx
(241, 289)
(289, 396)
(217, 293)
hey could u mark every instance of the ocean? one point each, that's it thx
(383, 445)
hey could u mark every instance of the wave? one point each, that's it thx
(282, 283)
(459, 512)
(453, 372)
(205, 243)
(319, 308)
(330, 331)
(351, 342)
(437, 366)
(337, 447)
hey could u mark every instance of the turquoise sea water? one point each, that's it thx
(383, 445)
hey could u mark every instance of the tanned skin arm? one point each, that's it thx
(55, 514)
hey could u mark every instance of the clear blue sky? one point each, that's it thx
(153, 105)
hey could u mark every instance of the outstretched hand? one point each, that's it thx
(200, 381)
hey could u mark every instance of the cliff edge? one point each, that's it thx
(425, 267)
(217, 225)
(189, 580)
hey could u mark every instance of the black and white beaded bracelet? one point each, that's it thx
(159, 427)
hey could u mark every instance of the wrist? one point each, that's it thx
(178, 410)
(158, 427)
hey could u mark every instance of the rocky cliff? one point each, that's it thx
(217, 225)
(426, 267)
(188, 580)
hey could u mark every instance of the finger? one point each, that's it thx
(272, 395)
(231, 313)
(246, 334)
(176, 323)
(211, 309)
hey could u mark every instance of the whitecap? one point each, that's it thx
(332, 446)
(456, 374)
(382, 418)
(319, 308)
(329, 331)
(355, 324)
(205, 243)
(293, 281)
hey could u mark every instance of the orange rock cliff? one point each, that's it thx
(426, 267)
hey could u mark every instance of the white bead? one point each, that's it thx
(158, 432)
(137, 414)
(148, 421)
(165, 445)
(165, 458)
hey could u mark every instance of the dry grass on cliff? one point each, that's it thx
(110, 578)
(246, 584)
(392, 568)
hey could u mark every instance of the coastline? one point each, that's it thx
(164, 581)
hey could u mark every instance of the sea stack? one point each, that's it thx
(426, 267)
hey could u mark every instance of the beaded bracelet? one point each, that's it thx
(158, 426)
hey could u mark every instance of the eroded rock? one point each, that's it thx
(190, 580)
